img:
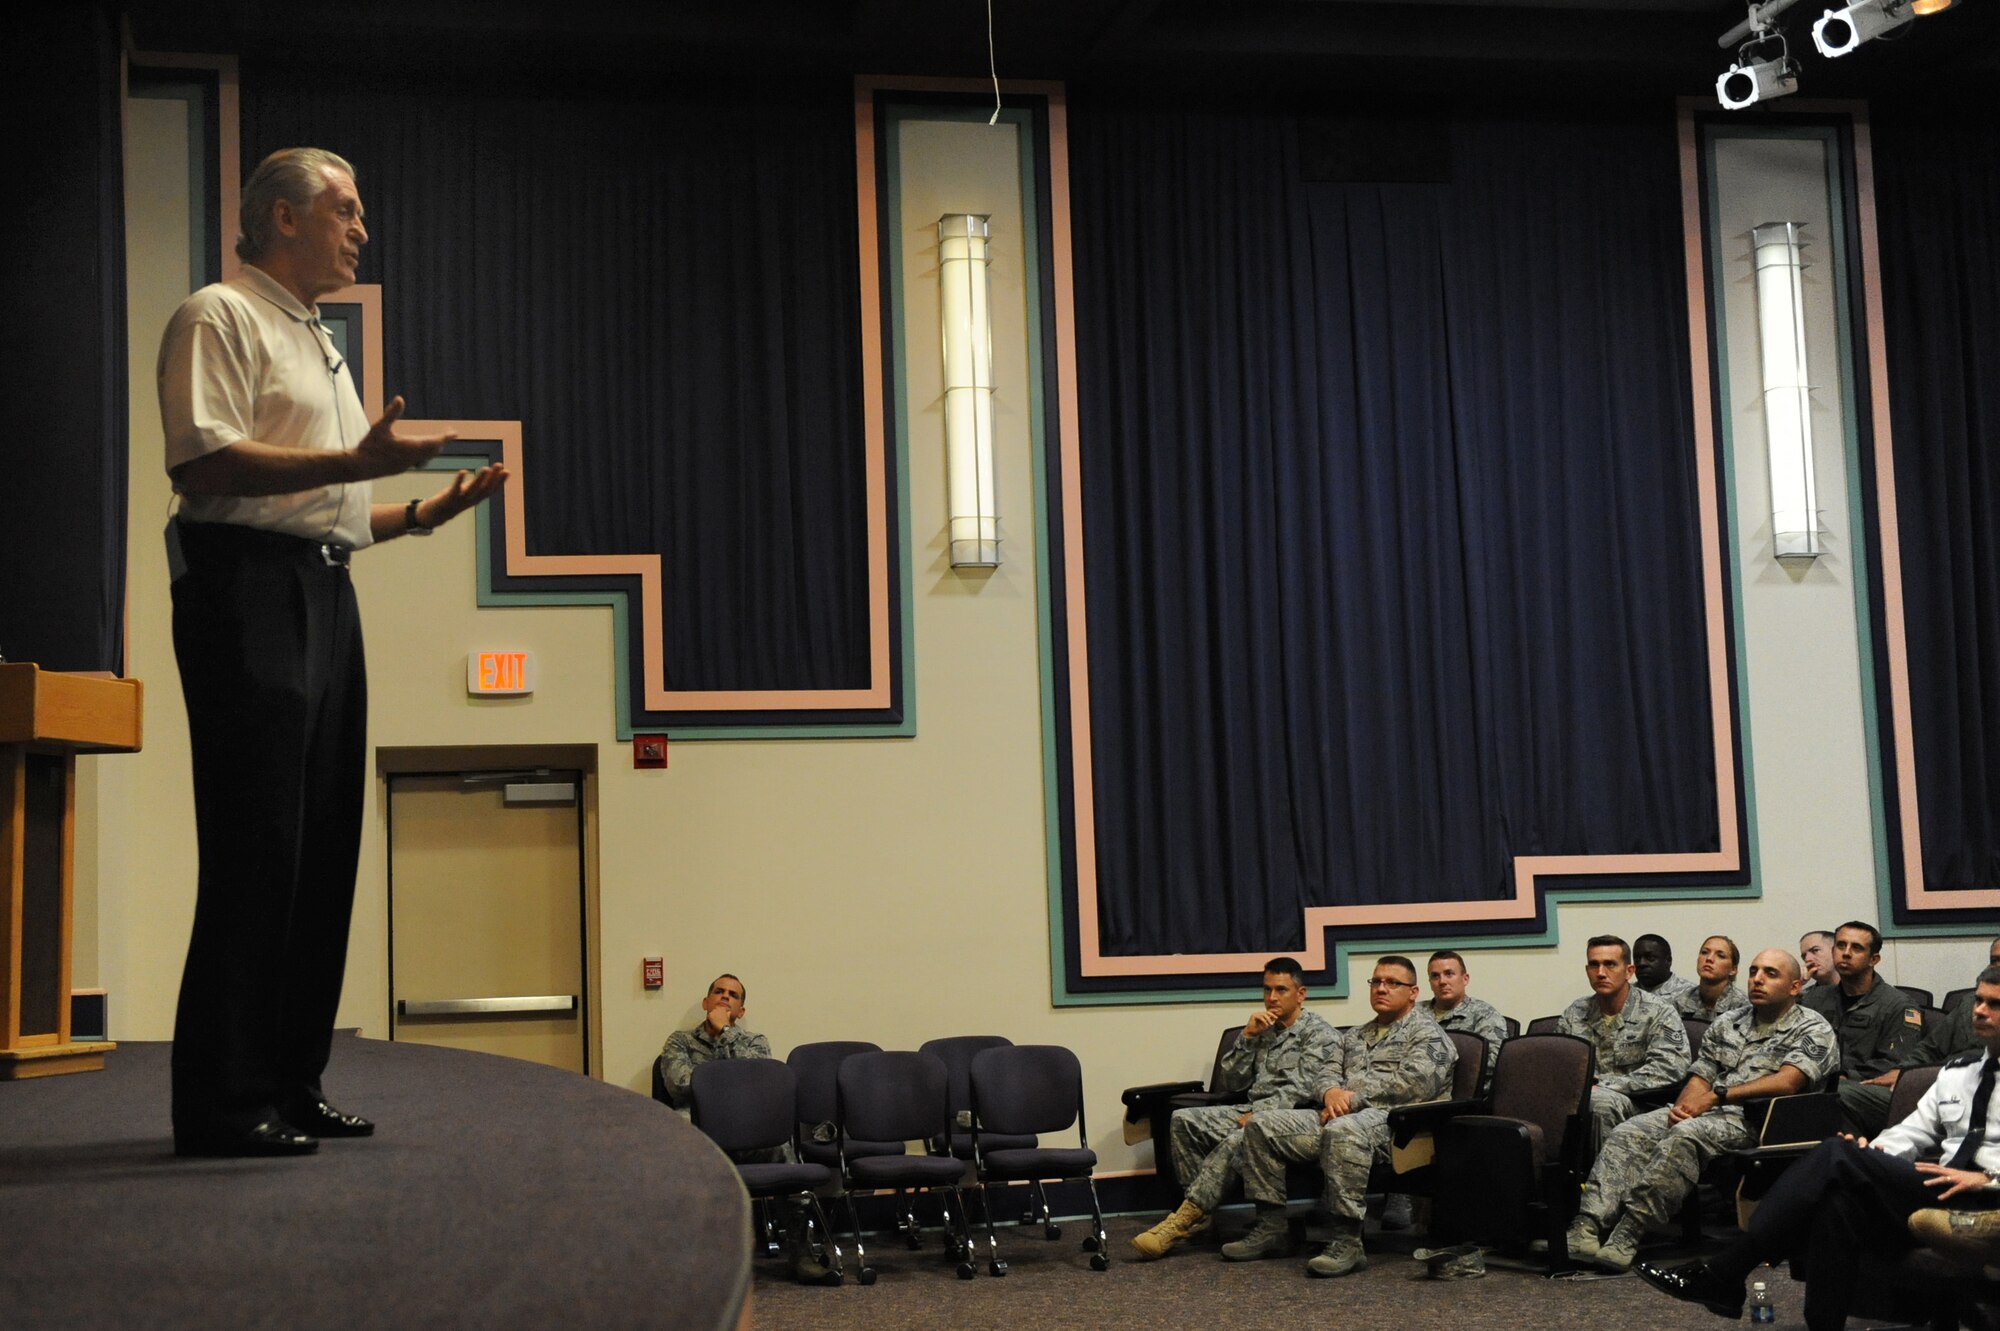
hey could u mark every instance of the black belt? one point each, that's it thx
(223, 538)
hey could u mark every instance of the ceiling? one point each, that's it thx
(1392, 52)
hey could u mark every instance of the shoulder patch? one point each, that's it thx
(1913, 1017)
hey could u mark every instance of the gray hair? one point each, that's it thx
(296, 175)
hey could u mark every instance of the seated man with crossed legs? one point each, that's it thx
(1851, 1198)
(1274, 1063)
(1400, 1058)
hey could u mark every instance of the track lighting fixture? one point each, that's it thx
(1763, 70)
(1839, 31)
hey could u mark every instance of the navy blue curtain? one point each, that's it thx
(1390, 515)
(662, 286)
(1937, 190)
(62, 506)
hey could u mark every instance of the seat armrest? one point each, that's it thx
(1407, 1122)
(1653, 1097)
(1203, 1099)
(1141, 1099)
(1768, 1155)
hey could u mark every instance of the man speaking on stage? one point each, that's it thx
(272, 454)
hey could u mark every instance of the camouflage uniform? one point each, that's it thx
(687, 1050)
(1866, 1108)
(1670, 988)
(1688, 1003)
(1650, 1164)
(1384, 1066)
(1874, 1029)
(1644, 1046)
(1475, 1017)
(1275, 1069)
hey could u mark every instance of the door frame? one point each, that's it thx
(457, 759)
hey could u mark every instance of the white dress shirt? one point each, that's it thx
(1944, 1116)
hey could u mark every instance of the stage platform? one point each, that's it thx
(496, 1194)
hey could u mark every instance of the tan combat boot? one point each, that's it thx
(1170, 1233)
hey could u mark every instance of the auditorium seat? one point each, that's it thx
(1512, 1174)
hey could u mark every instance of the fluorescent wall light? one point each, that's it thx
(1777, 255)
(968, 390)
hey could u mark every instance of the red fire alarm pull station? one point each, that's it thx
(649, 750)
(656, 973)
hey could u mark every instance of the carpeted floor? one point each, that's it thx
(1051, 1284)
(497, 1194)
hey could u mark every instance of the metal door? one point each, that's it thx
(486, 914)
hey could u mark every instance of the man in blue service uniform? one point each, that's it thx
(271, 454)
(1851, 1196)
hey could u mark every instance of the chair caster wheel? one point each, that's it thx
(1090, 1244)
(965, 1270)
(913, 1242)
(997, 1268)
(1099, 1262)
(832, 1279)
(866, 1275)
(1052, 1232)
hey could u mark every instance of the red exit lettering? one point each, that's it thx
(501, 672)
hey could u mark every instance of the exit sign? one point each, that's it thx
(499, 674)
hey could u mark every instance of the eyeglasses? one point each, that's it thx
(1378, 983)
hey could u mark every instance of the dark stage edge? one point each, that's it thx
(496, 1194)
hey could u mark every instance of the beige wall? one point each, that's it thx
(884, 889)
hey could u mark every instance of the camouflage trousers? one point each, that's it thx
(1346, 1148)
(1650, 1164)
(1607, 1110)
(1208, 1148)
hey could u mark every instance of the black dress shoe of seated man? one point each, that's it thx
(268, 1137)
(1695, 1282)
(317, 1118)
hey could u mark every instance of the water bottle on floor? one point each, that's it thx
(1761, 1311)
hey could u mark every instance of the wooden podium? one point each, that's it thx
(46, 719)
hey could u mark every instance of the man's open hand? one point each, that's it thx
(467, 490)
(382, 452)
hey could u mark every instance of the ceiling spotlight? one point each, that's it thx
(1924, 7)
(1751, 79)
(1841, 30)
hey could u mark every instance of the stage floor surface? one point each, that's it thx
(495, 1194)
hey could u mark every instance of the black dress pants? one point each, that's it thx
(268, 641)
(1825, 1213)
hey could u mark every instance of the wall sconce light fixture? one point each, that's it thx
(1781, 333)
(968, 390)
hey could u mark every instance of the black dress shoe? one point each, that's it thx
(1695, 1282)
(320, 1119)
(267, 1138)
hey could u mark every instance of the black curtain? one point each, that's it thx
(662, 286)
(1937, 190)
(62, 506)
(1390, 513)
